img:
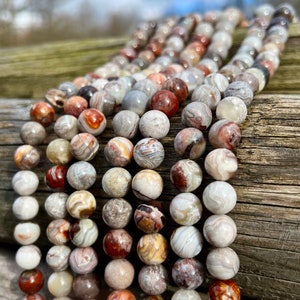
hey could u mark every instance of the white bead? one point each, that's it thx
(55, 205)
(28, 257)
(60, 283)
(25, 208)
(183, 294)
(25, 182)
(27, 233)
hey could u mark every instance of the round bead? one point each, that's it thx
(57, 257)
(116, 182)
(116, 213)
(149, 219)
(224, 288)
(155, 124)
(83, 233)
(221, 164)
(83, 260)
(219, 197)
(119, 151)
(126, 123)
(250, 79)
(192, 78)
(86, 286)
(147, 185)
(75, 105)
(153, 280)
(186, 175)
(43, 113)
(69, 88)
(56, 178)
(147, 86)
(87, 92)
(58, 231)
(25, 182)
(186, 241)
(178, 87)
(117, 90)
(31, 281)
(33, 133)
(207, 94)
(84, 146)
(27, 233)
(158, 79)
(261, 76)
(135, 101)
(119, 274)
(166, 102)
(240, 89)
(92, 120)
(56, 98)
(217, 80)
(103, 101)
(25, 208)
(188, 273)
(152, 249)
(28, 257)
(117, 243)
(66, 127)
(186, 209)
(121, 295)
(60, 283)
(58, 152)
(222, 263)
(186, 294)
(26, 157)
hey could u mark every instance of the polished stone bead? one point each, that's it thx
(117, 243)
(210, 64)
(175, 42)
(149, 153)
(261, 76)
(147, 185)
(57, 257)
(25, 182)
(92, 121)
(56, 98)
(28, 257)
(207, 94)
(84, 146)
(230, 71)
(75, 105)
(218, 48)
(222, 263)
(147, 86)
(178, 87)
(81, 175)
(119, 274)
(60, 283)
(121, 295)
(186, 294)
(58, 231)
(186, 241)
(69, 88)
(152, 249)
(119, 151)
(197, 115)
(81, 204)
(31, 281)
(116, 90)
(104, 102)
(43, 113)
(246, 58)
(217, 80)
(56, 178)
(215, 56)
(86, 286)
(149, 219)
(224, 288)
(240, 89)
(192, 77)
(264, 10)
(205, 28)
(286, 10)
(189, 57)
(83, 260)
(26, 157)
(116, 213)
(136, 101)
(58, 152)
(33, 133)
(153, 280)
(186, 175)
(186, 209)
(125, 123)
(250, 79)
(27, 233)
(83, 233)
(219, 230)
(166, 102)
(80, 81)
(25, 208)
(188, 273)
(66, 127)
(87, 92)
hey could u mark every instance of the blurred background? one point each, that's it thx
(24, 22)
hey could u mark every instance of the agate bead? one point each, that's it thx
(166, 102)
(250, 79)
(57, 257)
(86, 286)
(104, 102)
(178, 87)
(28, 257)
(68, 88)
(27, 233)
(26, 157)
(87, 92)
(66, 127)
(83, 260)
(75, 105)
(136, 101)
(58, 231)
(25, 182)
(43, 113)
(217, 80)
(221, 289)
(207, 94)
(84, 146)
(33, 133)
(240, 89)
(126, 123)
(58, 152)
(186, 294)
(31, 281)
(56, 178)
(121, 295)
(56, 98)
(147, 86)
(25, 208)
(92, 121)
(83, 233)
(60, 283)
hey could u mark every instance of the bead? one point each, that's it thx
(149, 153)
(79, 82)
(186, 209)
(250, 79)
(219, 197)
(152, 248)
(57, 257)
(75, 105)
(189, 143)
(68, 88)
(149, 219)
(121, 295)
(210, 64)
(264, 10)
(55, 178)
(155, 124)
(224, 134)
(26, 157)
(197, 115)
(191, 78)
(217, 80)
(119, 151)
(158, 79)
(166, 102)
(116, 182)
(103, 102)
(232, 109)
(84, 146)
(260, 75)
(286, 10)
(186, 241)
(87, 92)
(240, 89)
(25, 182)
(230, 71)
(186, 175)
(153, 280)
(66, 127)
(60, 283)
(147, 185)
(92, 121)
(25, 208)
(58, 152)
(86, 286)
(188, 273)
(221, 164)
(83, 260)
(207, 94)
(83, 233)
(186, 294)
(147, 86)
(222, 263)
(178, 87)
(33, 133)
(43, 113)
(58, 231)
(136, 101)
(119, 274)
(117, 243)
(31, 281)
(224, 289)
(116, 213)
(125, 123)
(56, 98)
(27, 233)
(246, 58)
(28, 257)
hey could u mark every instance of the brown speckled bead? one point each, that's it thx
(75, 105)
(43, 113)
(26, 157)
